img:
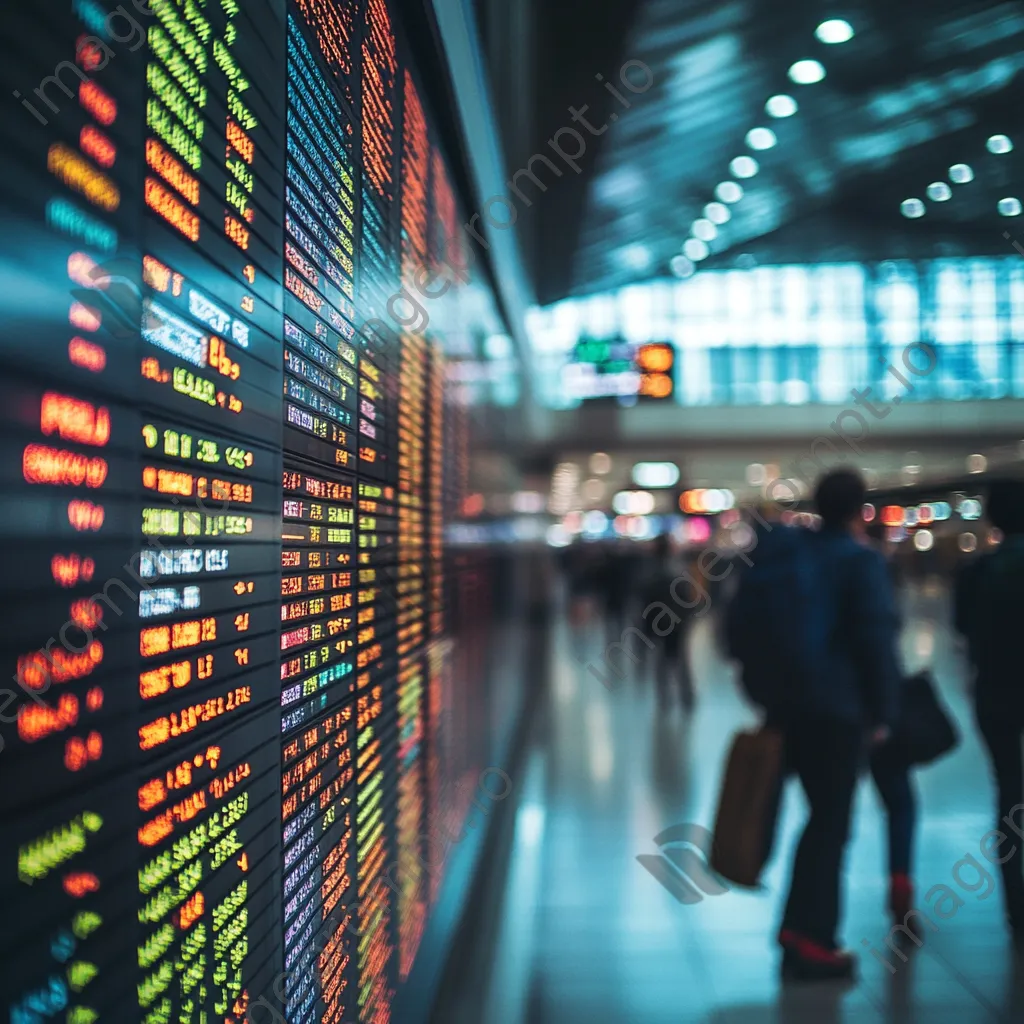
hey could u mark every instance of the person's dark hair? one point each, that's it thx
(839, 496)
(1006, 505)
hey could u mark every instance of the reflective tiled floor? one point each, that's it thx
(587, 934)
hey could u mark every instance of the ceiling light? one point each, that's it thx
(807, 72)
(961, 174)
(635, 257)
(704, 230)
(999, 144)
(761, 138)
(1009, 207)
(781, 106)
(682, 267)
(976, 463)
(939, 191)
(729, 192)
(912, 208)
(835, 30)
(600, 463)
(696, 250)
(744, 167)
(717, 213)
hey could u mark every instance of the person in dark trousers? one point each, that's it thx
(853, 704)
(613, 581)
(890, 771)
(671, 653)
(989, 611)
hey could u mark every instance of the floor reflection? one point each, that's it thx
(593, 937)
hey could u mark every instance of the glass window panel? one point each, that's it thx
(795, 293)
(832, 378)
(695, 377)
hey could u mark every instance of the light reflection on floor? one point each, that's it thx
(590, 936)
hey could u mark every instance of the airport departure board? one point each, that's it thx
(227, 468)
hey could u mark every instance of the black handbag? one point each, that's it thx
(925, 731)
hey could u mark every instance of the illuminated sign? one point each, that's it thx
(162, 328)
(167, 600)
(73, 419)
(77, 173)
(42, 464)
(171, 209)
(182, 561)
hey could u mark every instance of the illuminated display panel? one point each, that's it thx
(317, 610)
(70, 206)
(231, 185)
(210, 318)
(141, 832)
(410, 586)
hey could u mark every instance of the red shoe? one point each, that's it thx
(806, 960)
(901, 905)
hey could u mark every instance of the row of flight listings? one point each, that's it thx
(227, 653)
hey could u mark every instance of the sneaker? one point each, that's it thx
(806, 960)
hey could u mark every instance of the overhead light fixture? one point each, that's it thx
(704, 230)
(744, 167)
(912, 208)
(761, 138)
(961, 174)
(976, 463)
(696, 250)
(682, 267)
(834, 31)
(717, 213)
(635, 257)
(939, 192)
(729, 192)
(781, 106)
(1010, 206)
(600, 463)
(807, 72)
(999, 144)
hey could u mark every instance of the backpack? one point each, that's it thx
(780, 620)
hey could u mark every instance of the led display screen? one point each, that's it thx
(227, 472)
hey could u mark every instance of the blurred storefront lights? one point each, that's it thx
(893, 515)
(655, 474)
(635, 503)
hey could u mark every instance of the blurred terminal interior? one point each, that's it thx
(452, 309)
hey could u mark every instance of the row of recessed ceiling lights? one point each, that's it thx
(963, 174)
(727, 193)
